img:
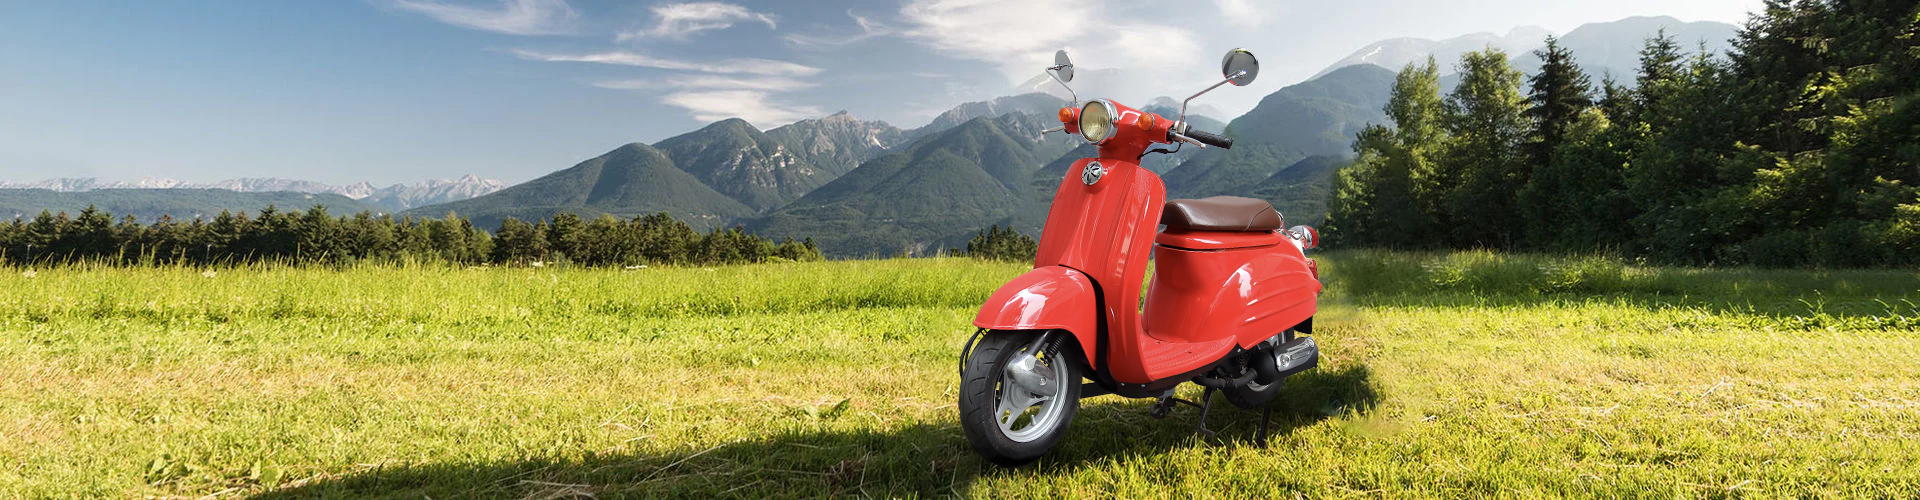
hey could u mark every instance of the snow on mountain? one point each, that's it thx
(1600, 48)
(395, 197)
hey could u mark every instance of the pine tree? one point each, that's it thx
(1486, 116)
(1558, 94)
(1661, 63)
(563, 235)
(517, 242)
(92, 235)
(1000, 244)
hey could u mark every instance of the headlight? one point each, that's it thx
(1096, 121)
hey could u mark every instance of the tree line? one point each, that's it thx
(1799, 147)
(1001, 244)
(317, 237)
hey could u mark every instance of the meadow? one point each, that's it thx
(1466, 374)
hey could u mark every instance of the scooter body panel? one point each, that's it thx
(1246, 295)
(1046, 298)
(1106, 230)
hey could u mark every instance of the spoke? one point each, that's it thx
(1015, 402)
(1000, 412)
(1022, 400)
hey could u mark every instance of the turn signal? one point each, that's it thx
(1069, 115)
(1145, 122)
(1308, 237)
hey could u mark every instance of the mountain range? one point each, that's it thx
(393, 198)
(893, 191)
(864, 188)
(724, 172)
(934, 193)
(148, 204)
(1600, 48)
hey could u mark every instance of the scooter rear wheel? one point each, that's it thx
(1011, 419)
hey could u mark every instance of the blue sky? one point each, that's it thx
(404, 90)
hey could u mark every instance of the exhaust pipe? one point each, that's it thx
(1286, 359)
(1295, 356)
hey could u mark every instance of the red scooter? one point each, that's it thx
(1230, 296)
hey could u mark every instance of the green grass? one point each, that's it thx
(1445, 375)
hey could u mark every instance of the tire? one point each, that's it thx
(995, 432)
(1265, 385)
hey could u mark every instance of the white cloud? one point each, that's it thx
(1016, 34)
(868, 29)
(743, 88)
(1020, 36)
(710, 82)
(1242, 13)
(677, 20)
(744, 66)
(754, 106)
(513, 17)
(1157, 46)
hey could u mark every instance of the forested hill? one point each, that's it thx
(935, 194)
(1314, 118)
(1784, 152)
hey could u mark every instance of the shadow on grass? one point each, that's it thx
(924, 460)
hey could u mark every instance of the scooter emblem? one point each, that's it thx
(1093, 173)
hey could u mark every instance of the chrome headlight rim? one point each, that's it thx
(1113, 120)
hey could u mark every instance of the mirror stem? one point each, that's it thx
(1052, 72)
(1183, 104)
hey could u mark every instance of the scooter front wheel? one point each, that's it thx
(1018, 393)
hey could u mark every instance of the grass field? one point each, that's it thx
(1445, 375)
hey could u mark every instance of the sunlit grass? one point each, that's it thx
(1448, 375)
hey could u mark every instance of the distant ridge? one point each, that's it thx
(630, 181)
(392, 198)
(1600, 48)
(183, 204)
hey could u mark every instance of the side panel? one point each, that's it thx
(1244, 295)
(1046, 298)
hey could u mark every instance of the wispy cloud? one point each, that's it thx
(709, 82)
(1021, 36)
(868, 29)
(1243, 13)
(740, 66)
(513, 17)
(748, 88)
(677, 20)
(996, 31)
(743, 88)
(756, 107)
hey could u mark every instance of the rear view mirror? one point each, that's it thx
(1062, 67)
(1238, 67)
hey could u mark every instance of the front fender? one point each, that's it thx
(1046, 298)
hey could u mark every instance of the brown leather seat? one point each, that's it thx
(1221, 213)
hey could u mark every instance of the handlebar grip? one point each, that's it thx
(1210, 139)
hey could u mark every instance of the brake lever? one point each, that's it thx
(1185, 139)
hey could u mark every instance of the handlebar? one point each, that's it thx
(1210, 139)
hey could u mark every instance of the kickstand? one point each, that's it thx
(1206, 401)
(1266, 416)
